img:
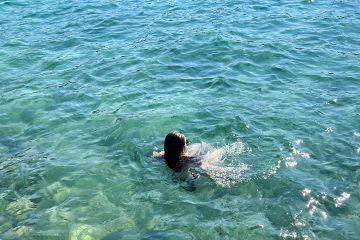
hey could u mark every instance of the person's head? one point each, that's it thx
(174, 148)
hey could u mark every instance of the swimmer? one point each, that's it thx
(174, 151)
(189, 162)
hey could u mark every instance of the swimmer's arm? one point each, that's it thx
(158, 155)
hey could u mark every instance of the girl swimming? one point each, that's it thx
(200, 159)
(174, 151)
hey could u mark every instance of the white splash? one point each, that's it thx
(323, 214)
(356, 134)
(234, 148)
(213, 162)
(322, 195)
(298, 223)
(272, 170)
(306, 237)
(312, 202)
(284, 233)
(312, 205)
(340, 200)
(225, 175)
(290, 161)
(306, 192)
(329, 130)
(297, 152)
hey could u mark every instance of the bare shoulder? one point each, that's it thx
(186, 158)
(191, 160)
(158, 155)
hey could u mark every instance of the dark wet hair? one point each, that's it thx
(174, 147)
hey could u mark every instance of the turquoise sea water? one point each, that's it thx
(89, 90)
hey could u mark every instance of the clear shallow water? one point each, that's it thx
(90, 88)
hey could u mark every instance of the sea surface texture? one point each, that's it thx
(267, 92)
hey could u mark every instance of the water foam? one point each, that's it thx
(225, 167)
(219, 164)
